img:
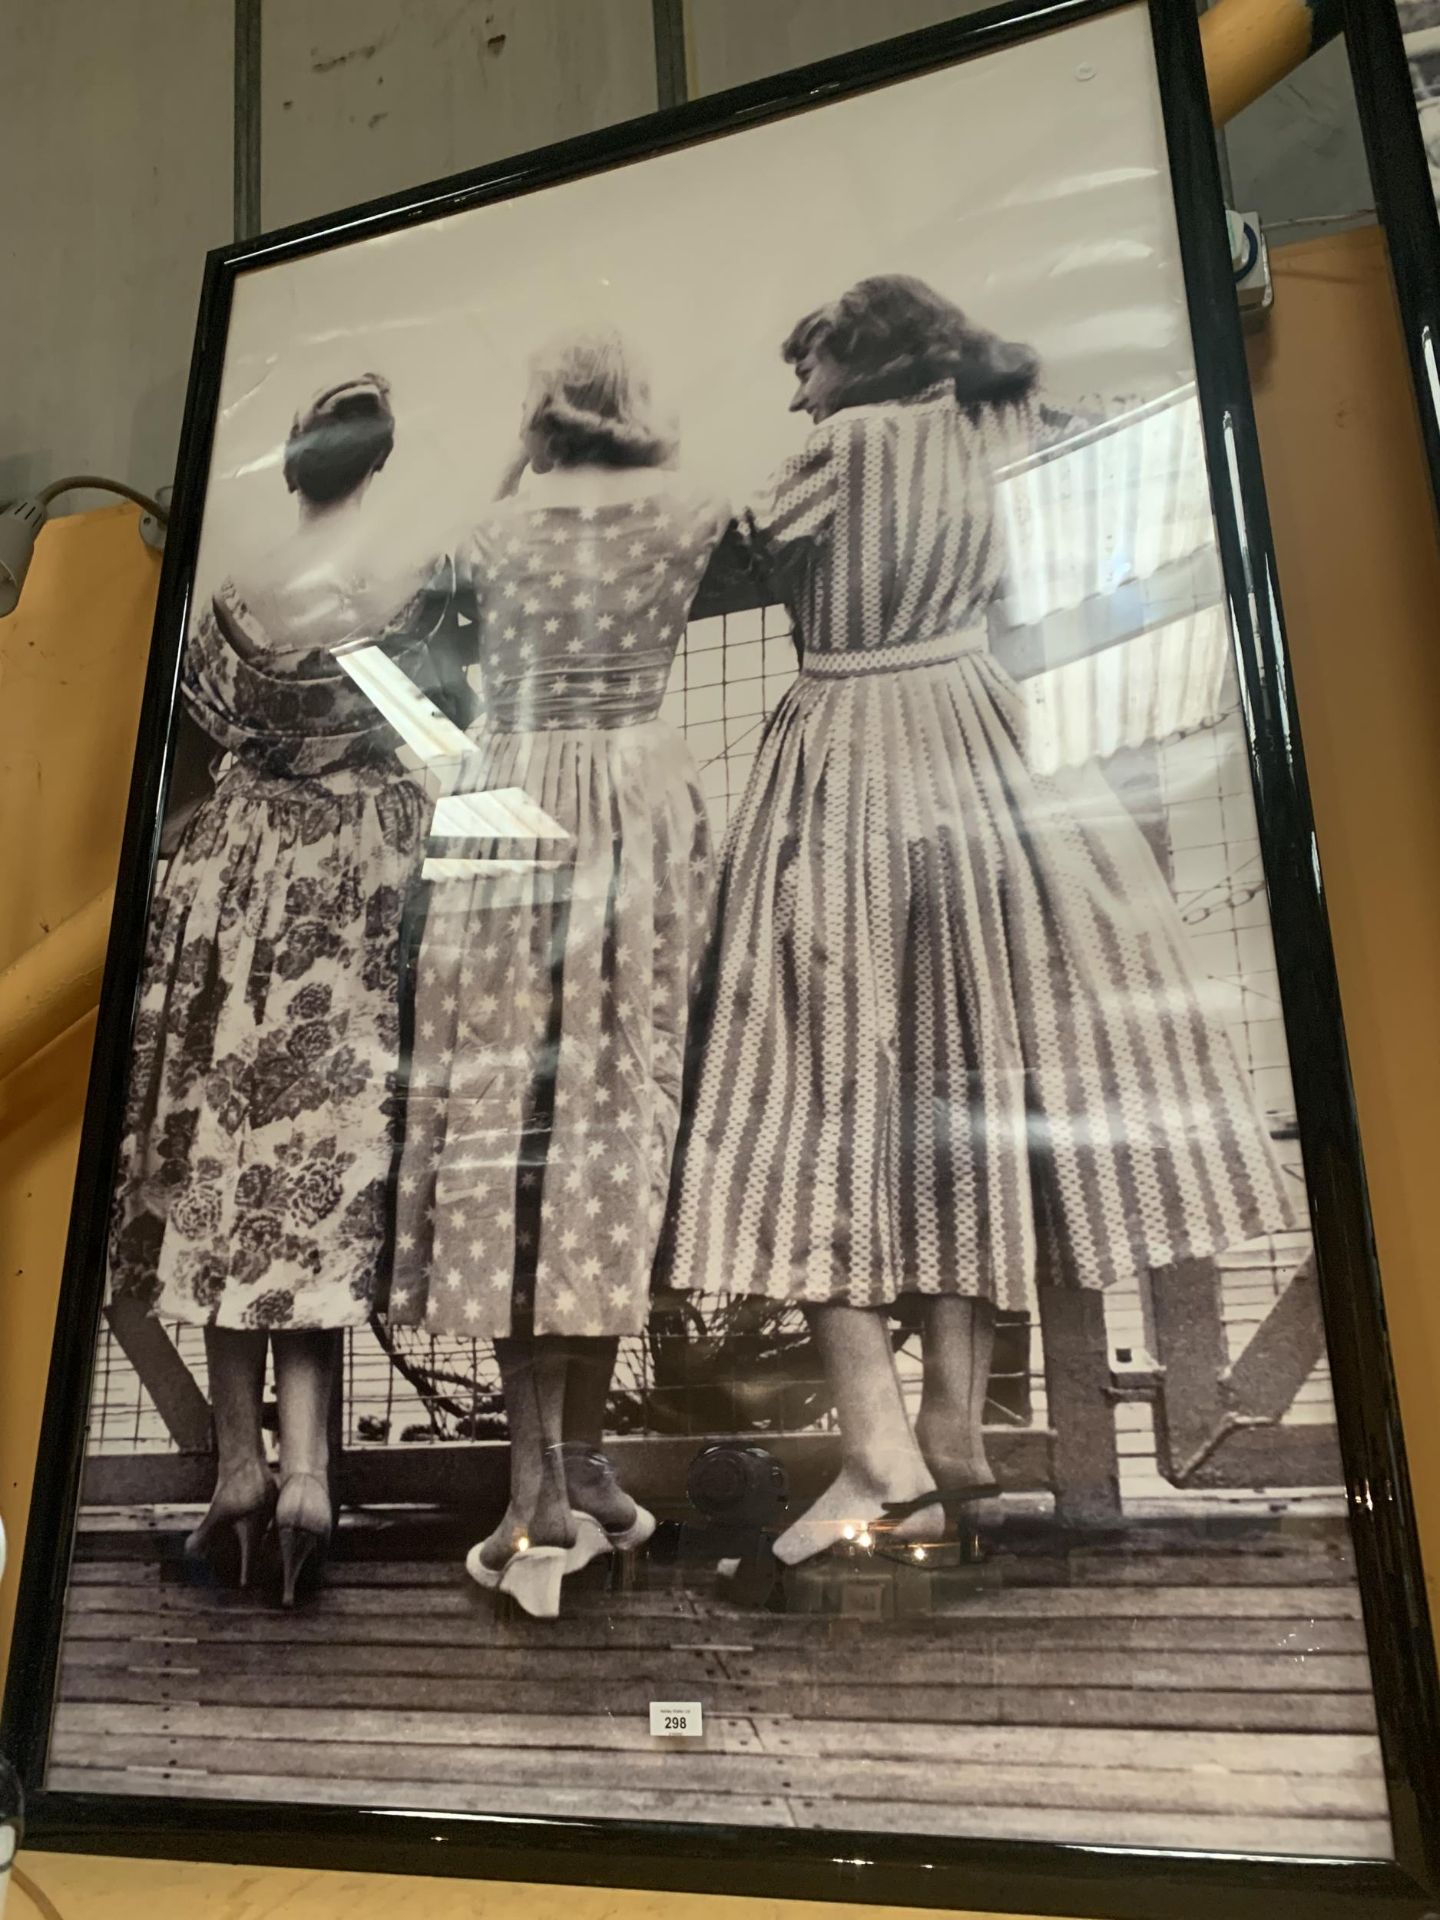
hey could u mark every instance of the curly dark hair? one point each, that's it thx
(894, 336)
(343, 436)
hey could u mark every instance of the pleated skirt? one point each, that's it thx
(550, 1010)
(951, 1033)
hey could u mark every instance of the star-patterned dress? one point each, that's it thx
(553, 980)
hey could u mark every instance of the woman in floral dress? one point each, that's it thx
(259, 1135)
(553, 984)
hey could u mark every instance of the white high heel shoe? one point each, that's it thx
(627, 1539)
(591, 1540)
(533, 1578)
(532, 1575)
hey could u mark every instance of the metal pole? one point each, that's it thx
(247, 118)
(672, 80)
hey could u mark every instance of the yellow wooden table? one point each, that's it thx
(1360, 570)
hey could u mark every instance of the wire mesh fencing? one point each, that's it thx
(719, 1363)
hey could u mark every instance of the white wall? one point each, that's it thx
(363, 97)
(1298, 153)
(116, 153)
(731, 41)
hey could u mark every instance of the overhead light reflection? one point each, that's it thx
(418, 721)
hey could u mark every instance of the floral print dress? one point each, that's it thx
(259, 1116)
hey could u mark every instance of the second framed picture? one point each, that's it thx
(720, 1240)
(1394, 50)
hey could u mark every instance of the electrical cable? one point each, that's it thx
(72, 481)
(38, 1899)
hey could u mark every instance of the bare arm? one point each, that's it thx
(512, 474)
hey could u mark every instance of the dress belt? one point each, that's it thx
(920, 653)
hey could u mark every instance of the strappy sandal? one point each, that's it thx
(626, 1539)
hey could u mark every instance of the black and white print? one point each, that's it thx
(1420, 25)
(709, 1115)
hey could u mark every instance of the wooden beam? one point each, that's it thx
(1217, 1425)
(1250, 45)
(1266, 1456)
(1282, 1353)
(476, 1474)
(164, 1375)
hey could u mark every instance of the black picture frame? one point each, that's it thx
(1128, 1884)
(1404, 196)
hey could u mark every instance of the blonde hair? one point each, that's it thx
(590, 405)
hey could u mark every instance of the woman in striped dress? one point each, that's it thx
(951, 1033)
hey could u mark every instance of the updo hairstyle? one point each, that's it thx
(339, 440)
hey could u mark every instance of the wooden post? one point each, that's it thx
(1218, 1425)
(1085, 1456)
(165, 1376)
(1187, 1314)
(337, 1426)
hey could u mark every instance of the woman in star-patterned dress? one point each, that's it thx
(553, 982)
(954, 1032)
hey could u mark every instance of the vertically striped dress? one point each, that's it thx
(951, 1031)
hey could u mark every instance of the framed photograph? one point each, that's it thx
(1395, 58)
(720, 1240)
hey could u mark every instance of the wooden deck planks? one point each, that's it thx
(94, 1723)
(797, 1670)
(1019, 1746)
(1250, 1754)
(989, 1602)
(1332, 1839)
(1214, 1696)
(897, 1782)
(90, 1634)
(881, 1702)
(1291, 1659)
(612, 1801)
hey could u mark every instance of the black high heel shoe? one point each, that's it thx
(958, 1545)
(304, 1524)
(240, 1511)
(963, 1506)
(960, 1503)
(875, 1536)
